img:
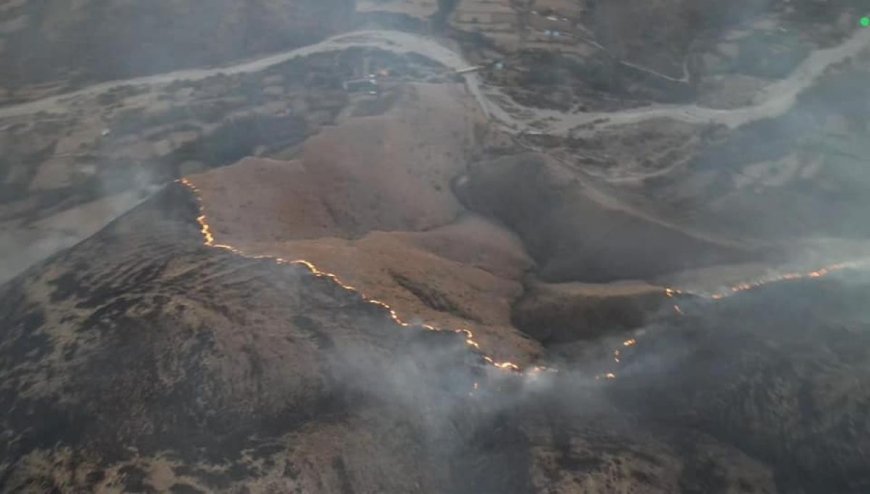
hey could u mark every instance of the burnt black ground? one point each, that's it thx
(141, 347)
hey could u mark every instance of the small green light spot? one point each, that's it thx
(865, 21)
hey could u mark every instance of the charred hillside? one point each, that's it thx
(144, 361)
(141, 346)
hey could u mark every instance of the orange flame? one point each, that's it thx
(744, 287)
(209, 241)
(767, 280)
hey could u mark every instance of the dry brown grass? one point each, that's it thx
(370, 201)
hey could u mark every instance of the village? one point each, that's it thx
(537, 24)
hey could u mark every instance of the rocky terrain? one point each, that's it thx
(477, 247)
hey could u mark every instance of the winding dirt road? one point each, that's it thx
(772, 101)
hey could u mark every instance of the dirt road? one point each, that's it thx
(770, 102)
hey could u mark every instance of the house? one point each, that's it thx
(368, 85)
(485, 15)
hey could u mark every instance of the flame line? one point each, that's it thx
(209, 241)
(768, 280)
(740, 288)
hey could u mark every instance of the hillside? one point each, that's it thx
(420, 246)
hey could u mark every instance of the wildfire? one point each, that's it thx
(768, 280)
(739, 288)
(209, 241)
